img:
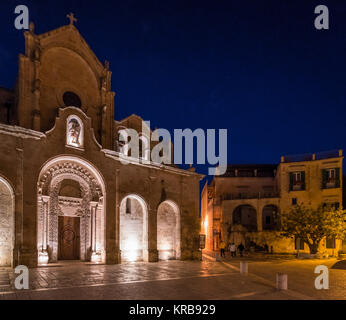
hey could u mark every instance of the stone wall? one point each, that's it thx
(6, 224)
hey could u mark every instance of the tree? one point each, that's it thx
(312, 225)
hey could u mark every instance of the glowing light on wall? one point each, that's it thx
(130, 249)
(165, 254)
(166, 246)
(96, 257)
(43, 258)
(206, 225)
(166, 250)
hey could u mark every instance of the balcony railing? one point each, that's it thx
(255, 195)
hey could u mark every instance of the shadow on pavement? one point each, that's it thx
(340, 265)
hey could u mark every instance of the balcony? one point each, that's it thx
(297, 186)
(331, 184)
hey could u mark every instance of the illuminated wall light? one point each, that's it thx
(166, 254)
(43, 258)
(130, 249)
(206, 225)
(96, 257)
(166, 246)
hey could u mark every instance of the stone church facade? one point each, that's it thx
(65, 194)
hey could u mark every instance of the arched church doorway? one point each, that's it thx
(6, 223)
(133, 229)
(168, 231)
(71, 212)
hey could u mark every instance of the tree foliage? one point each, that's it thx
(312, 225)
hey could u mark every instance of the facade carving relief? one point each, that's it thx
(88, 208)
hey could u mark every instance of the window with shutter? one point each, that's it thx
(297, 181)
(331, 178)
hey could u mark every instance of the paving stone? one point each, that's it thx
(176, 280)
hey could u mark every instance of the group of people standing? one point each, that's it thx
(232, 249)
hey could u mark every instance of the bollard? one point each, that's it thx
(281, 281)
(243, 267)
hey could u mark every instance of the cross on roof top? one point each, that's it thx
(72, 18)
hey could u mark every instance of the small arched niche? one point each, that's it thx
(74, 132)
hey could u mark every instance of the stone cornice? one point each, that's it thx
(153, 165)
(20, 132)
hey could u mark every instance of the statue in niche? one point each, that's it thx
(74, 130)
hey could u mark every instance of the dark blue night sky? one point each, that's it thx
(258, 68)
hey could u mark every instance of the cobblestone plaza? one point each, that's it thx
(167, 280)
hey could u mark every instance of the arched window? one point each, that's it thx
(74, 132)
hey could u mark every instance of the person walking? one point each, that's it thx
(222, 248)
(266, 248)
(241, 249)
(232, 249)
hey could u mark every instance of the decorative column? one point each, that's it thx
(95, 255)
(150, 253)
(117, 254)
(43, 253)
(260, 207)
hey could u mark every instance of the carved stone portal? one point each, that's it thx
(55, 184)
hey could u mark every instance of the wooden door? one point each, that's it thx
(69, 238)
